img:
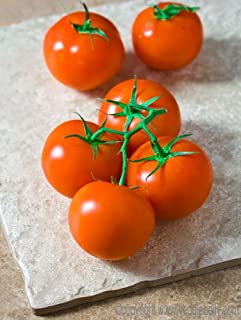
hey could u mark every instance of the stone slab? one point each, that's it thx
(57, 273)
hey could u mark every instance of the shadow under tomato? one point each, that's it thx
(218, 61)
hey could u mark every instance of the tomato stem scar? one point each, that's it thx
(171, 10)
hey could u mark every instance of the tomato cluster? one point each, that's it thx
(159, 174)
(132, 167)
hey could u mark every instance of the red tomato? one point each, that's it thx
(78, 59)
(109, 221)
(167, 44)
(180, 186)
(167, 124)
(69, 164)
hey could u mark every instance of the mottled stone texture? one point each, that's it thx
(34, 216)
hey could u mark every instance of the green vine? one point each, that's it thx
(126, 137)
(130, 111)
(133, 110)
(171, 10)
(87, 27)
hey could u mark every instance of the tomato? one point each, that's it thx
(167, 124)
(69, 164)
(109, 221)
(167, 43)
(177, 188)
(79, 59)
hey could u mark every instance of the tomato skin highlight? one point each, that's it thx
(79, 61)
(69, 164)
(109, 221)
(167, 124)
(180, 186)
(167, 44)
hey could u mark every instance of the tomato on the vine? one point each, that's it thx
(109, 221)
(181, 183)
(135, 97)
(69, 163)
(83, 50)
(167, 36)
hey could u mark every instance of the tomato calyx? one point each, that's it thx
(93, 139)
(162, 155)
(171, 10)
(133, 110)
(87, 27)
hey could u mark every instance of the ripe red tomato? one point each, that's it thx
(78, 59)
(167, 124)
(109, 221)
(69, 164)
(180, 186)
(167, 44)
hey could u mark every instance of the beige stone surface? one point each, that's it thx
(14, 11)
(221, 288)
(220, 291)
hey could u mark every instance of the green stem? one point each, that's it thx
(154, 141)
(99, 132)
(171, 10)
(125, 161)
(128, 134)
(87, 14)
(87, 27)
